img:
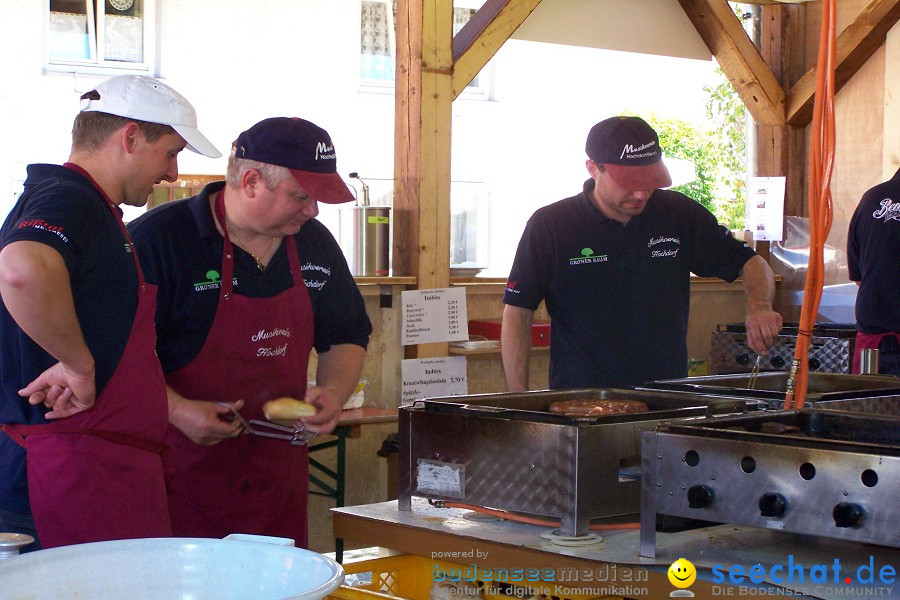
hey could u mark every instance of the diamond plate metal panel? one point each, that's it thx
(730, 354)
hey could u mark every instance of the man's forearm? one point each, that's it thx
(515, 346)
(339, 369)
(759, 284)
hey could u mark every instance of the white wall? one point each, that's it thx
(239, 62)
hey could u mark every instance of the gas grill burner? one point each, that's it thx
(815, 472)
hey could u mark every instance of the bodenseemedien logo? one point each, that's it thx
(213, 281)
(588, 257)
(682, 575)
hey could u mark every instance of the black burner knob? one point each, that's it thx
(847, 514)
(772, 505)
(777, 362)
(814, 364)
(742, 359)
(699, 496)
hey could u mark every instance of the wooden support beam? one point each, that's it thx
(483, 35)
(753, 80)
(422, 147)
(854, 47)
(780, 149)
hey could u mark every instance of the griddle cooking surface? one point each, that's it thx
(853, 432)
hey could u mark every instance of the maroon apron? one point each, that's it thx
(100, 474)
(257, 350)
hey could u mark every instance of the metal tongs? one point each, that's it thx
(754, 373)
(296, 436)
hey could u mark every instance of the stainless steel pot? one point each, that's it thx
(172, 568)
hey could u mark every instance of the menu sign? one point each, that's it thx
(437, 315)
(433, 377)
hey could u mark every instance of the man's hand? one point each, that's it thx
(62, 390)
(763, 326)
(326, 419)
(204, 423)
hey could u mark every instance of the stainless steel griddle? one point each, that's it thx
(505, 451)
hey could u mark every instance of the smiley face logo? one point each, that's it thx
(682, 573)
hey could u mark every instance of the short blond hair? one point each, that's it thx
(92, 129)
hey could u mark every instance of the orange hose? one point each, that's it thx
(533, 521)
(821, 165)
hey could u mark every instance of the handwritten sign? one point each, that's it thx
(437, 315)
(765, 208)
(433, 377)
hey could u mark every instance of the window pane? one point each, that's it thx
(124, 30)
(461, 16)
(69, 36)
(376, 33)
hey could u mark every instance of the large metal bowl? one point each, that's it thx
(169, 569)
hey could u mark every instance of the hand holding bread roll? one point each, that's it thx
(286, 411)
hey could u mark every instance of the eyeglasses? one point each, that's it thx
(296, 436)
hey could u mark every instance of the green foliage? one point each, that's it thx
(717, 151)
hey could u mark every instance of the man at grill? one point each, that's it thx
(613, 265)
(249, 283)
(873, 245)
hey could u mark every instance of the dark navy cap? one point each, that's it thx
(629, 149)
(302, 147)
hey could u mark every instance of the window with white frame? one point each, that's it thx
(378, 40)
(100, 35)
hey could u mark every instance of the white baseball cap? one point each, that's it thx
(145, 99)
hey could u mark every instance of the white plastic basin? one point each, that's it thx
(171, 568)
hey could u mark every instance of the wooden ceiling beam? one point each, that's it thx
(483, 35)
(854, 47)
(752, 78)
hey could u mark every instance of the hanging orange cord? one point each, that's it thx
(821, 163)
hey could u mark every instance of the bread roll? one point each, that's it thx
(597, 407)
(285, 411)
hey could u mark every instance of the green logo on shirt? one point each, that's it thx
(213, 281)
(587, 257)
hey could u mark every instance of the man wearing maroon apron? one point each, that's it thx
(77, 328)
(249, 283)
(873, 244)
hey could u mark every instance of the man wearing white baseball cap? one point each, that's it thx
(83, 402)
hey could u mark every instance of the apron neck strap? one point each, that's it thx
(228, 249)
(117, 213)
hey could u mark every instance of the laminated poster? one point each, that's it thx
(433, 377)
(437, 315)
(765, 208)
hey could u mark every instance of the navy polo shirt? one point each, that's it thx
(181, 252)
(618, 295)
(873, 245)
(62, 209)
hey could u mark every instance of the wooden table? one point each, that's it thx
(330, 482)
(454, 535)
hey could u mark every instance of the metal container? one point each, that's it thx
(506, 451)
(772, 385)
(830, 349)
(171, 569)
(365, 238)
(814, 472)
(868, 361)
